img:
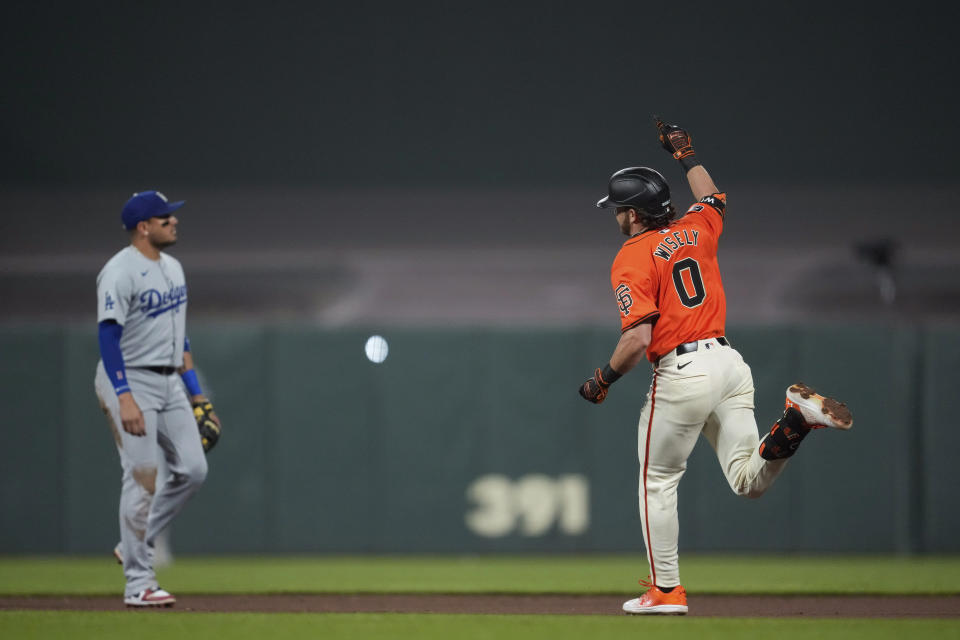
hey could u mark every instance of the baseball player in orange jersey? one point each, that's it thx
(668, 289)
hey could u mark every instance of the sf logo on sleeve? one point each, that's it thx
(624, 299)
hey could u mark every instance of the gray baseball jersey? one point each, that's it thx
(149, 298)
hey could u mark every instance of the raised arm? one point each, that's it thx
(679, 144)
(701, 184)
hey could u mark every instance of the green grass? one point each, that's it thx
(598, 574)
(163, 626)
(613, 574)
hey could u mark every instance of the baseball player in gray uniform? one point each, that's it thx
(142, 309)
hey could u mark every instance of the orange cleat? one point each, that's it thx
(655, 601)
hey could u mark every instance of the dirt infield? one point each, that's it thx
(718, 606)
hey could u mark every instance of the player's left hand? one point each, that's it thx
(674, 139)
(595, 388)
(207, 423)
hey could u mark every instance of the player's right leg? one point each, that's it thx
(732, 432)
(818, 411)
(138, 459)
(162, 549)
(731, 428)
(805, 411)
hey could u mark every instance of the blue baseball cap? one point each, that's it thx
(146, 205)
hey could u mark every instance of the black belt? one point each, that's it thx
(690, 347)
(161, 370)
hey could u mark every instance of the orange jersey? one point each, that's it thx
(670, 276)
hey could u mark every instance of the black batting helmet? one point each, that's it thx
(643, 189)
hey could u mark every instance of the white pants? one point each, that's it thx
(707, 391)
(145, 508)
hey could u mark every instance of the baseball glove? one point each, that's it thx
(208, 423)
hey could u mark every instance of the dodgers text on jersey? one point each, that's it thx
(153, 302)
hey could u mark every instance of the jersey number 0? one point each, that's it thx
(696, 281)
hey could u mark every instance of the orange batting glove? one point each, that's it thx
(677, 142)
(595, 388)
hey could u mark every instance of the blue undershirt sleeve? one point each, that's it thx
(109, 335)
(189, 376)
(191, 382)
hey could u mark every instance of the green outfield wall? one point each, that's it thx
(476, 440)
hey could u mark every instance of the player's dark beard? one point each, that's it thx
(161, 245)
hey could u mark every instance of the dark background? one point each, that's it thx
(344, 162)
(378, 94)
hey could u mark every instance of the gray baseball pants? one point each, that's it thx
(146, 509)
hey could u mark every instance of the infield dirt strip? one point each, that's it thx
(716, 606)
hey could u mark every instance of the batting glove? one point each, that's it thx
(677, 142)
(595, 388)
